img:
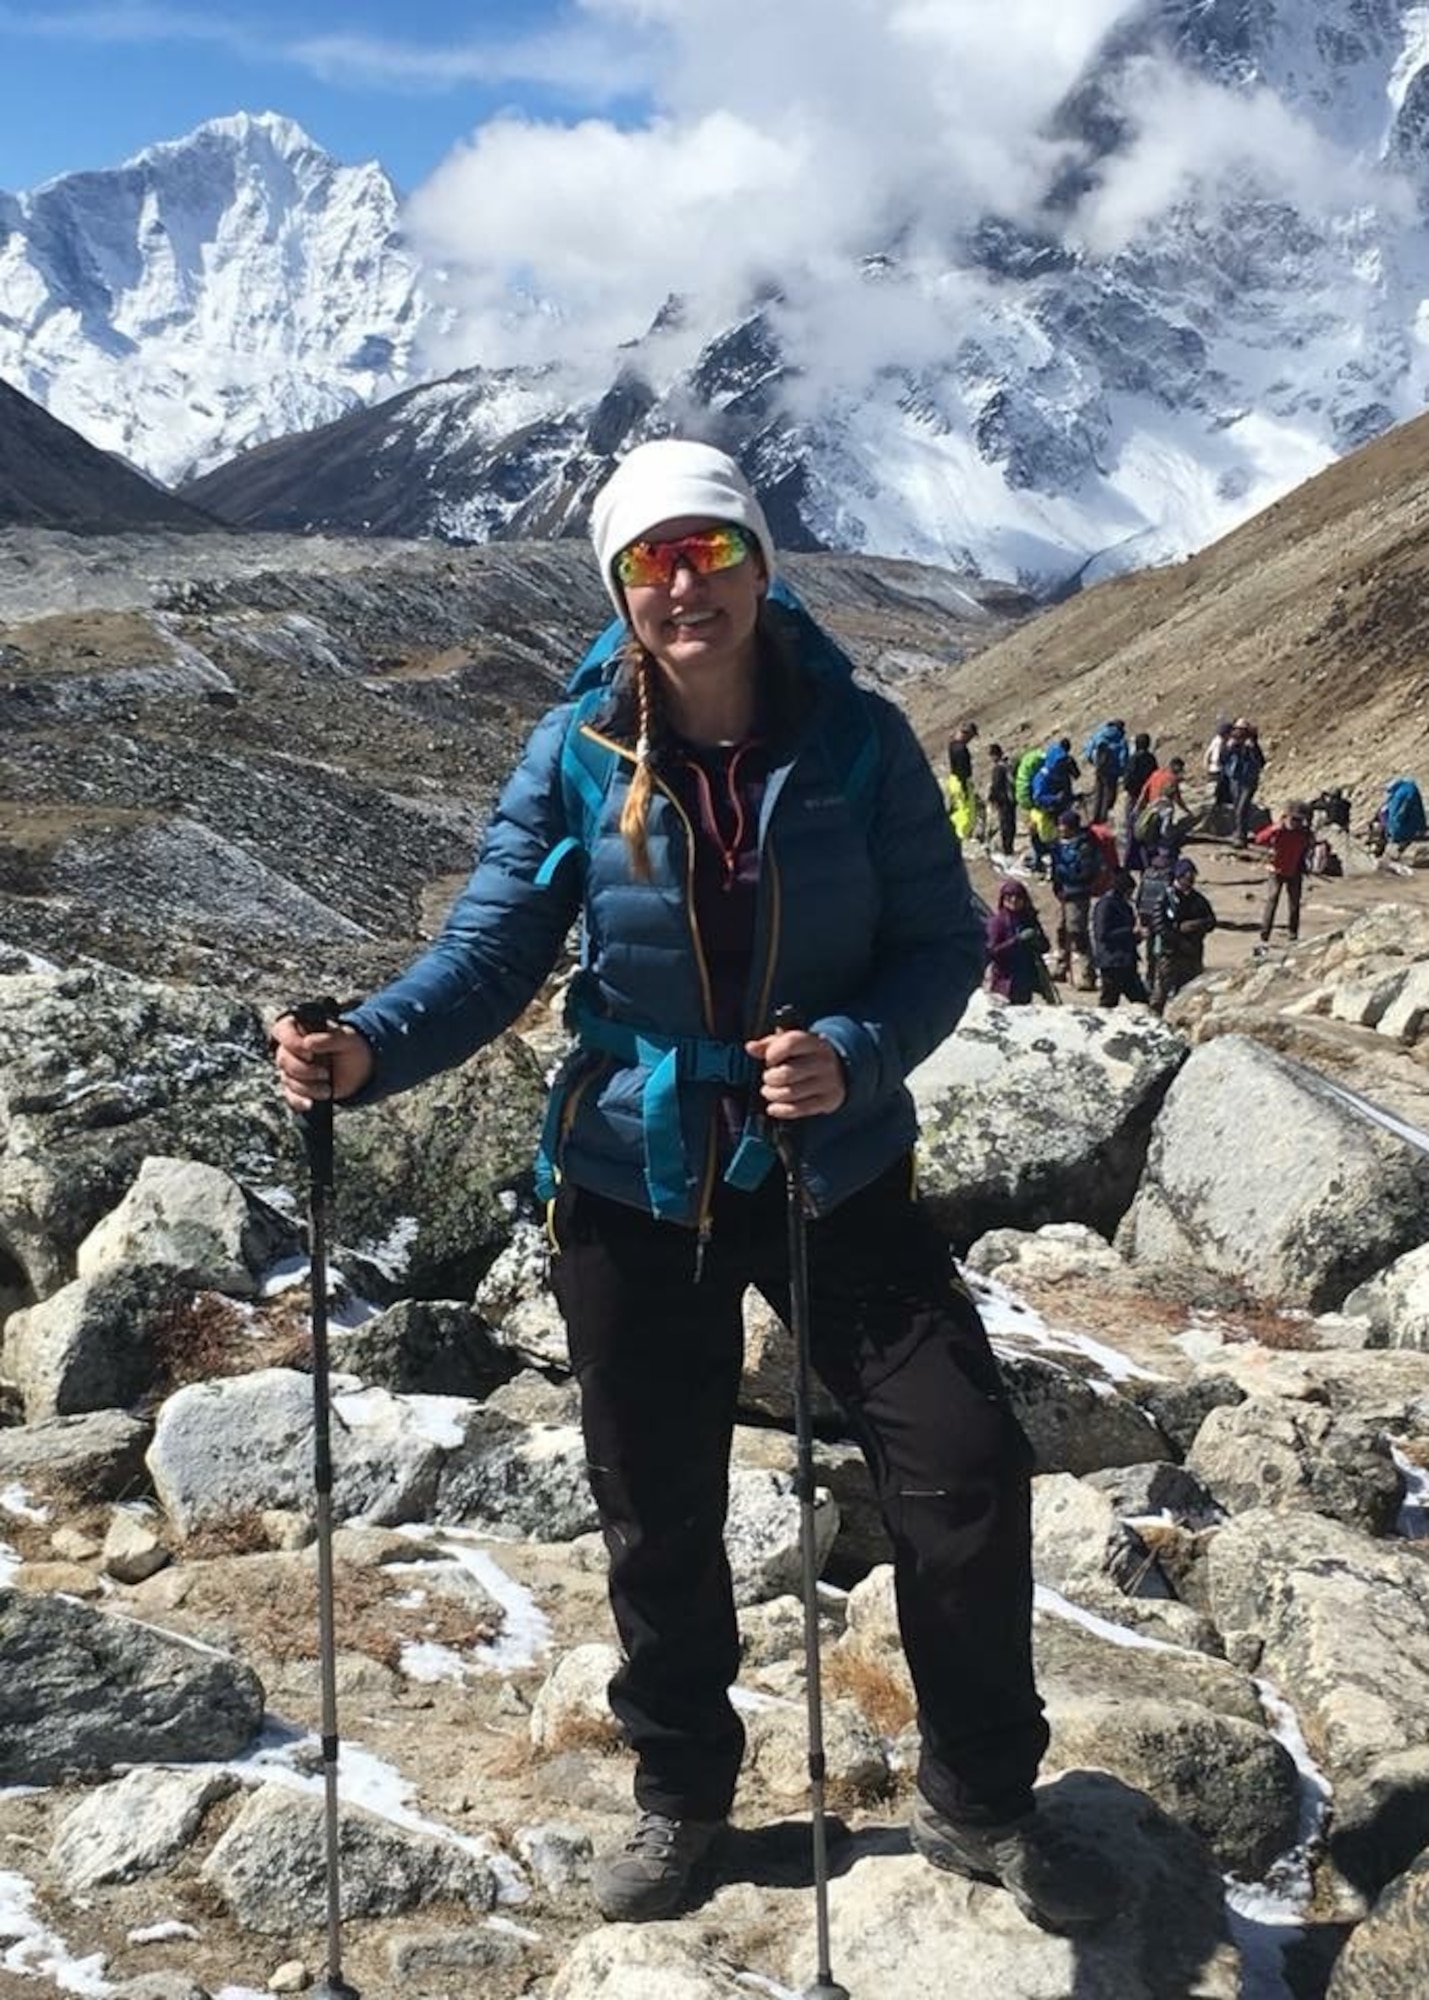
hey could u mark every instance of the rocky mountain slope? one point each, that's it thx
(50, 477)
(1311, 618)
(272, 756)
(213, 291)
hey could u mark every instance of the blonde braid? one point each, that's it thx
(637, 799)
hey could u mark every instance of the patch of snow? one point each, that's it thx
(160, 1933)
(436, 1419)
(424, 1661)
(1266, 1917)
(15, 1500)
(29, 1947)
(1006, 1316)
(525, 1636)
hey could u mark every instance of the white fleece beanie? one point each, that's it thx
(668, 480)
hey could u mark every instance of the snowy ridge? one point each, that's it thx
(1166, 336)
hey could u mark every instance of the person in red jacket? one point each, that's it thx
(1288, 840)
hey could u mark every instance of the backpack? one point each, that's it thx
(1029, 765)
(589, 763)
(1403, 812)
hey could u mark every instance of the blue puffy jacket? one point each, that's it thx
(866, 924)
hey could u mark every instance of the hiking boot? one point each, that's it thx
(652, 1874)
(1051, 1876)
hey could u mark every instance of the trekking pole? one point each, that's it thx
(825, 1987)
(312, 1016)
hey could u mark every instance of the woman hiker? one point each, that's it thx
(731, 868)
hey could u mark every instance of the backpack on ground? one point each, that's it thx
(1403, 812)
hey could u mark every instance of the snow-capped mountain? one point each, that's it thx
(1221, 285)
(228, 287)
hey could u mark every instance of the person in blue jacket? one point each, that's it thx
(731, 867)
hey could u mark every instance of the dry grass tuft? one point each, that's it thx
(209, 1337)
(583, 1732)
(878, 1690)
(369, 1614)
(236, 1534)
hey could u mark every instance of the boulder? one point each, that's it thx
(1342, 1622)
(424, 1347)
(244, 1444)
(509, 1477)
(1077, 1425)
(1395, 1302)
(1036, 1115)
(99, 1454)
(193, 1219)
(1267, 1452)
(1320, 1201)
(269, 1869)
(1389, 1952)
(93, 1344)
(81, 1692)
(427, 1182)
(141, 1822)
(99, 1071)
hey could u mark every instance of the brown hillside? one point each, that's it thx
(1312, 618)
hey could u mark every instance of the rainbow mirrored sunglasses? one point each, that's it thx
(640, 565)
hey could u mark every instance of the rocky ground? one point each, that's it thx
(252, 764)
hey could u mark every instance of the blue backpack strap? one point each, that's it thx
(587, 766)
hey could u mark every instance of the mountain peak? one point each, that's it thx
(243, 131)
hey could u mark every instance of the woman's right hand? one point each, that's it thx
(329, 1063)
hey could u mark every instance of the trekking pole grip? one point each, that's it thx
(312, 1016)
(787, 1020)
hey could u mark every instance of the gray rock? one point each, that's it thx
(81, 1692)
(422, 1177)
(243, 1445)
(92, 1345)
(1320, 1202)
(556, 1854)
(1266, 1452)
(132, 1550)
(424, 1347)
(1180, 1408)
(1073, 1424)
(1077, 1534)
(160, 1986)
(761, 1534)
(512, 1478)
(98, 1071)
(269, 1866)
(1136, 1491)
(1343, 1621)
(515, 1297)
(990, 1156)
(1389, 1952)
(896, 1930)
(1225, 1777)
(1381, 1821)
(99, 1454)
(423, 1955)
(1395, 1302)
(855, 1758)
(193, 1219)
(571, 1709)
(646, 1962)
(1050, 1255)
(139, 1823)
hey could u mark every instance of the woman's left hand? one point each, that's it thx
(803, 1074)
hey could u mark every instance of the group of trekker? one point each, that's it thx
(1119, 876)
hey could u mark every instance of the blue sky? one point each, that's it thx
(88, 85)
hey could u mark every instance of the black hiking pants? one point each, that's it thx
(898, 1342)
